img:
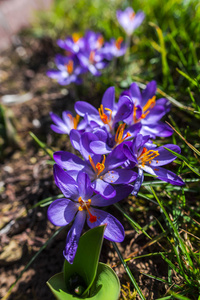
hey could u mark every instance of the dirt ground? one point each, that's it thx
(26, 178)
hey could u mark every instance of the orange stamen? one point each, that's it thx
(99, 166)
(70, 66)
(132, 16)
(150, 104)
(92, 163)
(85, 205)
(146, 109)
(104, 118)
(92, 56)
(74, 120)
(119, 42)
(100, 42)
(75, 37)
(134, 114)
(147, 156)
(119, 134)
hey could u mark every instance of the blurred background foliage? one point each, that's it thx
(168, 38)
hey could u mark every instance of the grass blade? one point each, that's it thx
(48, 150)
(128, 271)
(135, 225)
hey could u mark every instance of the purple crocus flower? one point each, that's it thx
(104, 171)
(109, 113)
(78, 205)
(114, 48)
(144, 155)
(92, 61)
(107, 142)
(72, 44)
(90, 57)
(148, 111)
(130, 20)
(68, 70)
(67, 123)
(93, 40)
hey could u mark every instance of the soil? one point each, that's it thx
(26, 177)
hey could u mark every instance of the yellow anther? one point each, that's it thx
(74, 120)
(147, 156)
(150, 104)
(85, 205)
(146, 109)
(99, 166)
(92, 163)
(119, 134)
(104, 118)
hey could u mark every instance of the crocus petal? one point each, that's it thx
(129, 153)
(100, 147)
(108, 99)
(68, 160)
(125, 107)
(135, 94)
(120, 176)
(86, 139)
(74, 236)
(66, 183)
(75, 137)
(139, 17)
(155, 114)
(61, 212)
(116, 158)
(165, 157)
(139, 142)
(165, 103)
(56, 119)
(59, 129)
(103, 188)
(84, 185)
(149, 92)
(164, 175)
(133, 129)
(122, 192)
(138, 182)
(102, 134)
(157, 129)
(55, 74)
(114, 230)
(81, 107)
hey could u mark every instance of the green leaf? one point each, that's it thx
(87, 257)
(106, 285)
(58, 287)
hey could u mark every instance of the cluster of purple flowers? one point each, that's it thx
(116, 146)
(88, 53)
